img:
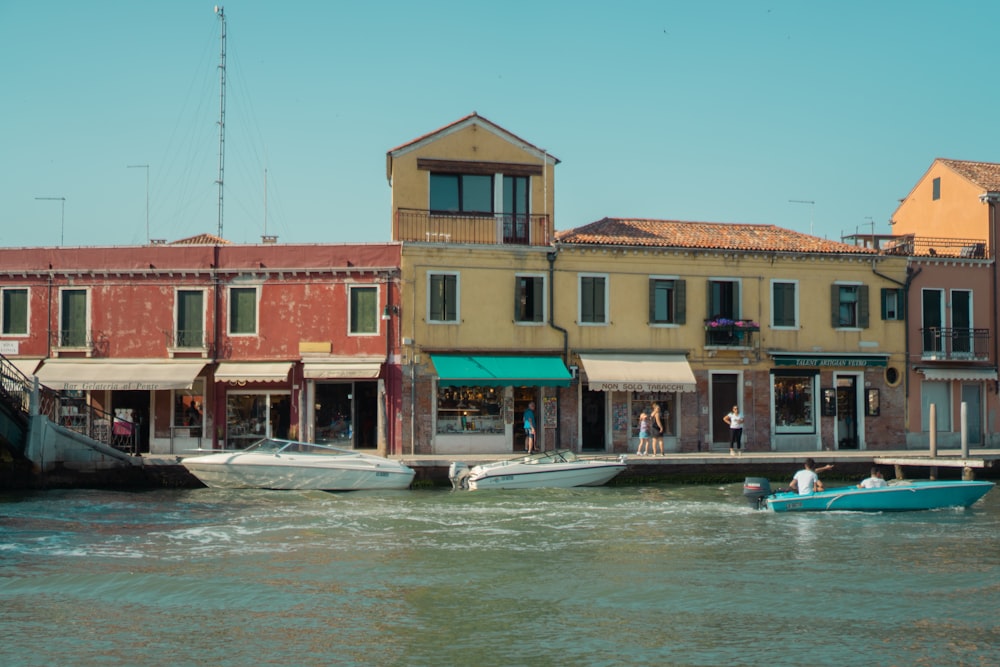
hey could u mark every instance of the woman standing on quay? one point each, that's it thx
(656, 430)
(735, 421)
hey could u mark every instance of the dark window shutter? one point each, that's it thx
(835, 306)
(451, 298)
(680, 301)
(538, 287)
(437, 298)
(863, 306)
(652, 300)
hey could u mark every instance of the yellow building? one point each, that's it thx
(804, 335)
(472, 204)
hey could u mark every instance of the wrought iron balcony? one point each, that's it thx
(955, 344)
(724, 332)
(487, 228)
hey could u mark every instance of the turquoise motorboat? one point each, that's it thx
(898, 496)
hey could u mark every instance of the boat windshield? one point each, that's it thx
(556, 456)
(273, 446)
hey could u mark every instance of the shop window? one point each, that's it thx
(14, 315)
(794, 410)
(642, 401)
(189, 410)
(253, 416)
(470, 410)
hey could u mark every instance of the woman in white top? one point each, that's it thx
(735, 421)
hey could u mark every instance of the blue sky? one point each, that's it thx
(707, 111)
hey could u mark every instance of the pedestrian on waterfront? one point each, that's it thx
(529, 428)
(806, 481)
(735, 421)
(643, 448)
(876, 481)
(656, 430)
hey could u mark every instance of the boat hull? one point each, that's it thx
(903, 497)
(288, 472)
(545, 477)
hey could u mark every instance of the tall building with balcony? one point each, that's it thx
(947, 227)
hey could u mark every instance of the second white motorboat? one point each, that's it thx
(289, 464)
(560, 469)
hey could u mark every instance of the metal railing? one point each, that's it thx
(928, 246)
(486, 228)
(948, 344)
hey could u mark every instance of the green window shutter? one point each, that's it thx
(451, 298)
(538, 286)
(680, 301)
(587, 299)
(364, 308)
(189, 318)
(863, 306)
(15, 311)
(600, 308)
(835, 306)
(74, 318)
(436, 313)
(885, 305)
(652, 299)
(242, 310)
(737, 302)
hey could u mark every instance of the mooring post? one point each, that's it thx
(965, 429)
(932, 425)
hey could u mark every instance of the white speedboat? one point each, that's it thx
(560, 469)
(289, 464)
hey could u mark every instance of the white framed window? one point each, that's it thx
(784, 304)
(244, 311)
(363, 315)
(529, 298)
(15, 314)
(189, 318)
(849, 305)
(667, 300)
(74, 317)
(443, 296)
(593, 301)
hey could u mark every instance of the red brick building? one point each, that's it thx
(205, 344)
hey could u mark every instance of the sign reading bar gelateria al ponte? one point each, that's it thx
(824, 361)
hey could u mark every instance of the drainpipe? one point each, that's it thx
(565, 334)
(910, 275)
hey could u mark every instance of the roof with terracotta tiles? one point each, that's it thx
(201, 239)
(707, 235)
(984, 174)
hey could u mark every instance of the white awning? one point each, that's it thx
(118, 374)
(253, 371)
(328, 369)
(966, 374)
(638, 372)
(26, 366)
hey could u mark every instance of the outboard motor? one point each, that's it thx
(458, 473)
(756, 490)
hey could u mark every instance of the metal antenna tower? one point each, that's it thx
(222, 112)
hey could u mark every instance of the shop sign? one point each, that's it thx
(839, 362)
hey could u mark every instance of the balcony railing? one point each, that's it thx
(488, 228)
(927, 246)
(723, 332)
(94, 343)
(948, 344)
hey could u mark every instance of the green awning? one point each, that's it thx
(457, 370)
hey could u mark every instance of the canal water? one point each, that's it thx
(654, 575)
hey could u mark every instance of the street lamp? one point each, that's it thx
(62, 218)
(146, 167)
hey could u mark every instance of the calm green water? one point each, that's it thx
(659, 575)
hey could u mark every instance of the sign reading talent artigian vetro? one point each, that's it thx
(845, 361)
